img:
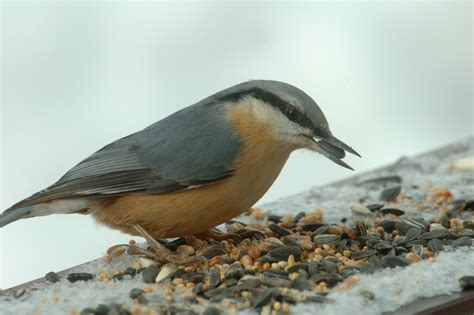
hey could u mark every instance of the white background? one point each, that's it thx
(393, 78)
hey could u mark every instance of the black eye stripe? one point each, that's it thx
(286, 108)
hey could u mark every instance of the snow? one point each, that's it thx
(392, 288)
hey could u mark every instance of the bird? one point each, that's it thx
(195, 169)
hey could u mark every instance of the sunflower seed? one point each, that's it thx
(359, 209)
(52, 277)
(394, 261)
(390, 194)
(328, 239)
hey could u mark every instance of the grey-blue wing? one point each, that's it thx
(194, 146)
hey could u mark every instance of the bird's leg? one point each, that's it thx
(154, 244)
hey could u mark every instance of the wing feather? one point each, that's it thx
(192, 147)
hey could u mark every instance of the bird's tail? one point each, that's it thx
(19, 211)
(12, 215)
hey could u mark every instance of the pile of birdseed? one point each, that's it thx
(368, 246)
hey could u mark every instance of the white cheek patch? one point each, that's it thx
(281, 127)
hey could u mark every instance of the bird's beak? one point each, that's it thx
(333, 148)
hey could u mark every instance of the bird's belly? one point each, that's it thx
(190, 211)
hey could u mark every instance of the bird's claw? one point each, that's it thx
(156, 251)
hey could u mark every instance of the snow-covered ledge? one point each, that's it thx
(386, 290)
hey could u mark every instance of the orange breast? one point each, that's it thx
(194, 211)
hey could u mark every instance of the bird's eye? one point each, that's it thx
(292, 114)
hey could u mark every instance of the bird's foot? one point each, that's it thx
(156, 251)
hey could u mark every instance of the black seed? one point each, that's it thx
(79, 276)
(88, 311)
(383, 247)
(313, 268)
(178, 273)
(276, 273)
(347, 273)
(303, 274)
(175, 310)
(321, 230)
(249, 284)
(263, 298)
(227, 261)
(116, 308)
(118, 277)
(315, 299)
(150, 273)
(269, 259)
(301, 284)
(194, 277)
(214, 278)
(383, 180)
(467, 282)
(374, 207)
(463, 241)
(393, 211)
(227, 292)
(234, 273)
(274, 218)
(52, 277)
(412, 234)
(312, 227)
(394, 261)
(435, 245)
(279, 230)
(376, 261)
(280, 297)
(291, 242)
(390, 226)
(392, 252)
(198, 289)
(102, 309)
(214, 250)
(469, 205)
(297, 267)
(248, 272)
(283, 252)
(468, 225)
(390, 194)
(130, 271)
(230, 283)
(329, 266)
(299, 216)
(400, 250)
(330, 278)
(439, 234)
(190, 299)
(138, 295)
(276, 282)
(211, 311)
(367, 268)
(363, 254)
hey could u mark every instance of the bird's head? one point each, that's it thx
(290, 115)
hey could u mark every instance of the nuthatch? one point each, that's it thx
(195, 169)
